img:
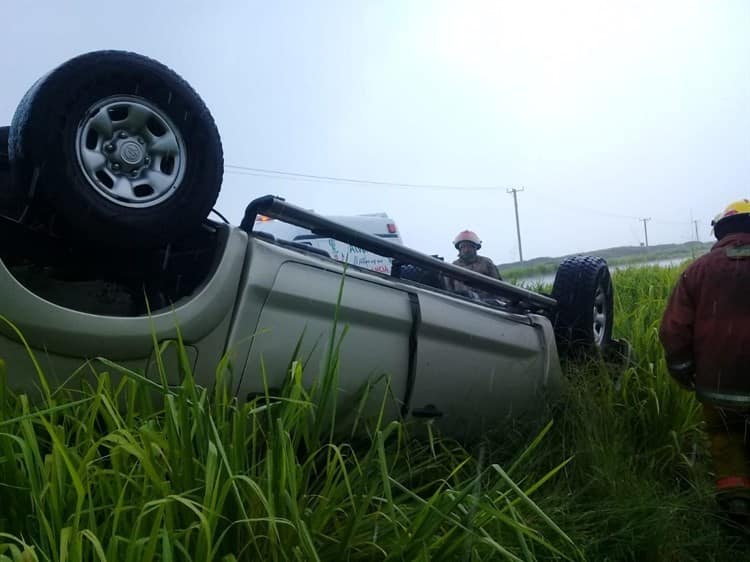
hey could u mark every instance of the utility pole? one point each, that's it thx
(697, 238)
(645, 230)
(518, 226)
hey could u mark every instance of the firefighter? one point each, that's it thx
(468, 243)
(705, 332)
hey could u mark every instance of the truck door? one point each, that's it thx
(476, 365)
(301, 304)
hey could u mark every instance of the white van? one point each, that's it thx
(376, 224)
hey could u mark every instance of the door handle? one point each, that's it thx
(429, 411)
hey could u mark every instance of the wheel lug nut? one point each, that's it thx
(116, 167)
(140, 140)
(147, 160)
(109, 147)
(123, 135)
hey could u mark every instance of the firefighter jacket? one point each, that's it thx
(480, 265)
(707, 321)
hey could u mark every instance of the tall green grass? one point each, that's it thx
(639, 485)
(127, 469)
(124, 468)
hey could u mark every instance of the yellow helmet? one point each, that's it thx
(739, 207)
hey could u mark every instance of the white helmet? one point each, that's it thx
(467, 236)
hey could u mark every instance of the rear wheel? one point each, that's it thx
(120, 147)
(9, 199)
(4, 148)
(584, 294)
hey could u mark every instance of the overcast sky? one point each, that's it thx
(603, 112)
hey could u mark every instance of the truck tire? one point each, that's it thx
(583, 290)
(119, 147)
(4, 148)
(6, 195)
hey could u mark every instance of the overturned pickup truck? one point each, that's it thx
(113, 166)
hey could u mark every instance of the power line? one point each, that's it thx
(315, 178)
(274, 177)
(601, 213)
(281, 174)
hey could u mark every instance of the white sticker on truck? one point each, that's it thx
(353, 255)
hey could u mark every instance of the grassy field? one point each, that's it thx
(616, 257)
(130, 470)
